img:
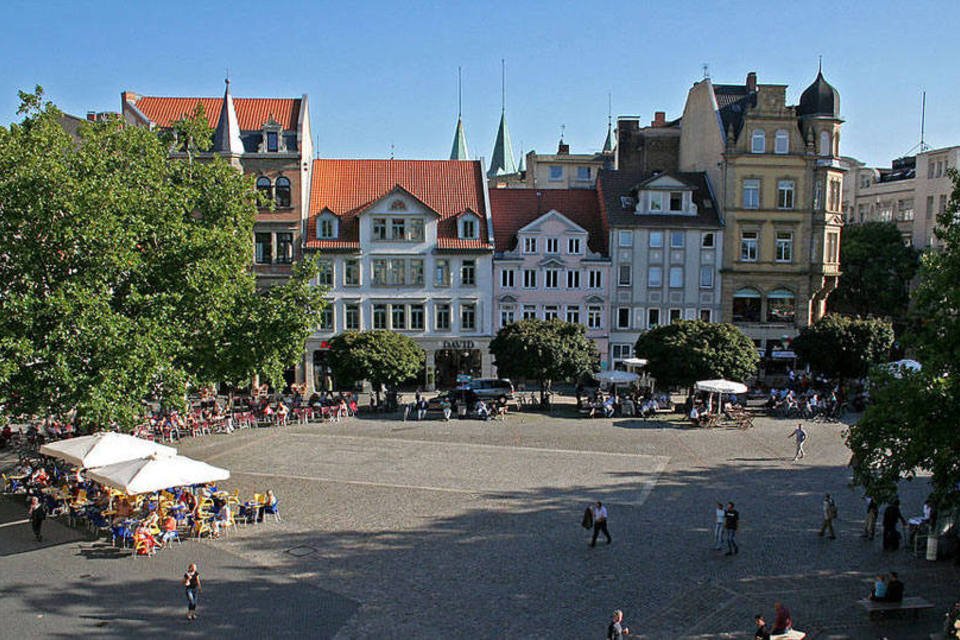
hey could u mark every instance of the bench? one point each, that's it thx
(914, 604)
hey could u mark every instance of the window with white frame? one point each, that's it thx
(676, 239)
(653, 318)
(442, 273)
(573, 246)
(706, 315)
(625, 239)
(351, 317)
(417, 317)
(748, 246)
(832, 251)
(583, 173)
(529, 279)
(551, 312)
(442, 317)
(468, 317)
(553, 245)
(656, 240)
(507, 314)
(594, 317)
(468, 273)
(326, 318)
(623, 317)
(595, 280)
(706, 277)
(676, 315)
(781, 143)
(529, 245)
(556, 172)
(620, 352)
(655, 198)
(327, 227)
(707, 240)
(507, 278)
(784, 249)
(379, 316)
(468, 227)
(529, 312)
(325, 272)
(573, 279)
(751, 193)
(573, 314)
(551, 278)
(380, 229)
(398, 317)
(676, 277)
(758, 141)
(676, 201)
(351, 273)
(785, 194)
(654, 277)
(624, 275)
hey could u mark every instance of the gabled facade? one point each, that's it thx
(666, 248)
(551, 259)
(779, 177)
(268, 139)
(405, 246)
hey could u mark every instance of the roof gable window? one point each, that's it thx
(328, 226)
(271, 137)
(468, 227)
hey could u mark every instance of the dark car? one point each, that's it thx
(492, 388)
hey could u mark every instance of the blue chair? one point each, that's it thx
(122, 532)
(273, 509)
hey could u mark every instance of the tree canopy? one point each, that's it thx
(877, 268)
(843, 347)
(379, 357)
(125, 273)
(911, 424)
(683, 352)
(543, 350)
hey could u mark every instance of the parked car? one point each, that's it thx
(492, 388)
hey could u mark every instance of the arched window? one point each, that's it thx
(746, 305)
(781, 306)
(781, 143)
(265, 190)
(283, 192)
(825, 146)
(758, 142)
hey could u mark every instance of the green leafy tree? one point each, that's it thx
(877, 268)
(190, 134)
(843, 347)
(545, 351)
(125, 273)
(911, 424)
(383, 358)
(683, 352)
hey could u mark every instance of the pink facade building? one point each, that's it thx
(551, 259)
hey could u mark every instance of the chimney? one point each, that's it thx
(752, 81)
(659, 119)
(563, 149)
(91, 116)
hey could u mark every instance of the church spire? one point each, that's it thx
(502, 163)
(459, 150)
(610, 143)
(226, 138)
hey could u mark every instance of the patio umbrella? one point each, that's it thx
(155, 473)
(634, 362)
(616, 377)
(721, 386)
(104, 448)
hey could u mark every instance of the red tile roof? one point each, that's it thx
(347, 187)
(251, 112)
(513, 209)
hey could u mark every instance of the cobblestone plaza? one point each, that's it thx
(465, 529)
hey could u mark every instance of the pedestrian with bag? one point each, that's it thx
(193, 587)
(600, 523)
(829, 515)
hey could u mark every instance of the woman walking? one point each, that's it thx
(191, 581)
(37, 513)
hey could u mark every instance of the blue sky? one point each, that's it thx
(382, 73)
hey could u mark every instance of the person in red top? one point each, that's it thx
(169, 531)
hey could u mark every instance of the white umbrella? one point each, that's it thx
(616, 377)
(721, 386)
(634, 362)
(156, 473)
(104, 448)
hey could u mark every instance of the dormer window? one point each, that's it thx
(676, 201)
(529, 245)
(273, 141)
(469, 227)
(328, 226)
(656, 201)
(271, 137)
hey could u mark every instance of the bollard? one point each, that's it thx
(932, 544)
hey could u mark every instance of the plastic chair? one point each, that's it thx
(273, 510)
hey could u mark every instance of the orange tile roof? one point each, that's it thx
(513, 209)
(347, 187)
(251, 112)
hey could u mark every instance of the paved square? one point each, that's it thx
(398, 529)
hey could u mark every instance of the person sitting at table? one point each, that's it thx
(169, 530)
(144, 542)
(270, 502)
(222, 519)
(152, 522)
(282, 412)
(608, 407)
(40, 477)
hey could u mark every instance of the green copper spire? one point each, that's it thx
(459, 150)
(609, 143)
(502, 163)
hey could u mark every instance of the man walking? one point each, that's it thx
(731, 522)
(616, 630)
(829, 513)
(800, 435)
(870, 525)
(599, 523)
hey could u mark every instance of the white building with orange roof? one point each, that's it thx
(405, 246)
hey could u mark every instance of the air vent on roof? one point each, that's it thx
(627, 202)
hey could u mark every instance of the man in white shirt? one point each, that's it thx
(599, 523)
(718, 527)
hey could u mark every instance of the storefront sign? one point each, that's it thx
(458, 344)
